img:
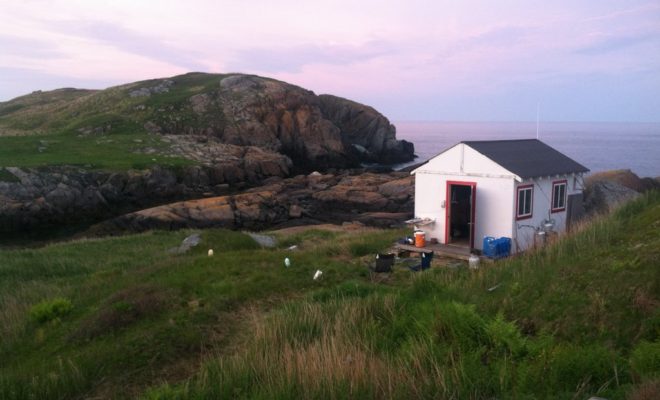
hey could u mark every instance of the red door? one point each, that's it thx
(460, 207)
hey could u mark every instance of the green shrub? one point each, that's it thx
(574, 366)
(49, 310)
(505, 336)
(645, 359)
(460, 324)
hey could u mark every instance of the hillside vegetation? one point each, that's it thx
(122, 317)
(99, 129)
(114, 110)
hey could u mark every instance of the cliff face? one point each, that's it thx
(369, 133)
(316, 132)
(282, 118)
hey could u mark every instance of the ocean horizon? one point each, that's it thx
(599, 146)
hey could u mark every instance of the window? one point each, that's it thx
(524, 201)
(559, 196)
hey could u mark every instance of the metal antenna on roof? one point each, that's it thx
(538, 109)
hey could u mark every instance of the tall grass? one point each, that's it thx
(379, 348)
(63, 380)
(578, 318)
(139, 313)
(561, 324)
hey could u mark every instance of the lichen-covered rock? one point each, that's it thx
(602, 196)
(624, 177)
(68, 195)
(606, 190)
(345, 198)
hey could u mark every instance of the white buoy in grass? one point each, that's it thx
(287, 262)
(210, 252)
(318, 274)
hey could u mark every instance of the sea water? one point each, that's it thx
(598, 146)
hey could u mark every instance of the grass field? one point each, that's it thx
(119, 151)
(139, 314)
(121, 317)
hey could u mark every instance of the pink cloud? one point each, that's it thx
(365, 50)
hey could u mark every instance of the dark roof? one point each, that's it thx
(527, 158)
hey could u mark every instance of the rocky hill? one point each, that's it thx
(315, 132)
(72, 155)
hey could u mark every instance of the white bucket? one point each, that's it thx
(473, 261)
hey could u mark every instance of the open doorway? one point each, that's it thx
(460, 206)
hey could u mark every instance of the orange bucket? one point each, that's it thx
(420, 239)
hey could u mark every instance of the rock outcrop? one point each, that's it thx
(374, 199)
(603, 196)
(623, 177)
(371, 136)
(607, 189)
(316, 132)
(68, 195)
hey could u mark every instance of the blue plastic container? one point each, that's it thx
(504, 246)
(489, 248)
(496, 248)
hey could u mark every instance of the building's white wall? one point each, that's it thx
(447, 161)
(463, 160)
(541, 207)
(494, 211)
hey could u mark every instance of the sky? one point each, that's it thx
(576, 60)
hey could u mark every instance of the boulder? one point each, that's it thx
(399, 189)
(602, 196)
(606, 190)
(188, 243)
(623, 177)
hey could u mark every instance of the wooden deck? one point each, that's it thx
(457, 252)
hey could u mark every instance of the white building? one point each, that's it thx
(501, 188)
